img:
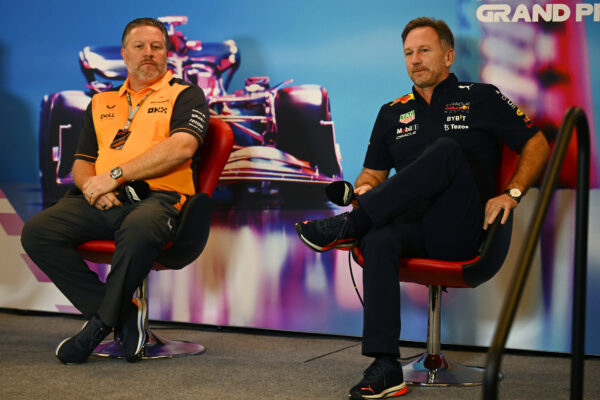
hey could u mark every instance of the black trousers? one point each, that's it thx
(431, 208)
(140, 230)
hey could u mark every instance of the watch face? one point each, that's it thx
(514, 192)
(116, 173)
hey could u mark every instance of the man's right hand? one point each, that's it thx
(367, 180)
(362, 189)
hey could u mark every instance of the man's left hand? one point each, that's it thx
(107, 201)
(97, 186)
(495, 205)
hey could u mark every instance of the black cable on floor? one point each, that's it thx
(352, 276)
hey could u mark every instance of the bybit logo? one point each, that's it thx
(555, 12)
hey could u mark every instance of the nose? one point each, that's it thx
(148, 50)
(415, 59)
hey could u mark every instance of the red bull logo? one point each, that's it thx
(403, 99)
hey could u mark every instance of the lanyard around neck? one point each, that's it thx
(132, 112)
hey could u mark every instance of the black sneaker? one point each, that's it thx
(77, 349)
(382, 380)
(131, 331)
(328, 233)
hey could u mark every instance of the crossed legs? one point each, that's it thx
(432, 209)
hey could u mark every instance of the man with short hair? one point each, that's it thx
(443, 141)
(149, 129)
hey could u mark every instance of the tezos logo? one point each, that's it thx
(553, 12)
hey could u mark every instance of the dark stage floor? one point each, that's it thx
(239, 365)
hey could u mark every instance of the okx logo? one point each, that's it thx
(162, 110)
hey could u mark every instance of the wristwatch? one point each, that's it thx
(117, 175)
(514, 193)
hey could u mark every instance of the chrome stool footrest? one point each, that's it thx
(437, 370)
(155, 346)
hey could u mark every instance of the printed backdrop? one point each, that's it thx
(254, 271)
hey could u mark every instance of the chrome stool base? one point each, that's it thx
(155, 346)
(437, 370)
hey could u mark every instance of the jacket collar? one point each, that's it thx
(443, 87)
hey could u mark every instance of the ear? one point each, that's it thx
(122, 52)
(449, 57)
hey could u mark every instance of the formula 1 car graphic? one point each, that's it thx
(284, 135)
(547, 86)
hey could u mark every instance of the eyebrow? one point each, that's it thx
(151, 42)
(418, 47)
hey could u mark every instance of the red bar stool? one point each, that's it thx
(188, 242)
(432, 368)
